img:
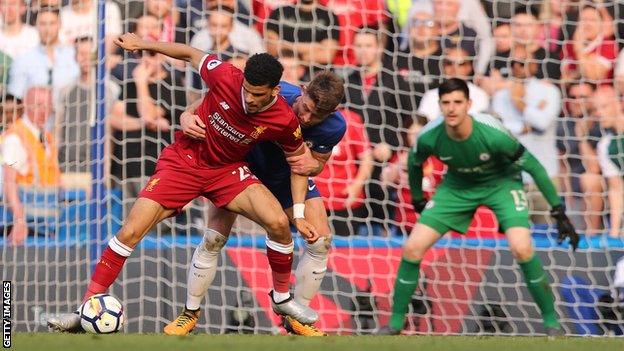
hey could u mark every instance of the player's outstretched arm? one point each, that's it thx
(532, 166)
(304, 165)
(299, 189)
(415, 176)
(132, 42)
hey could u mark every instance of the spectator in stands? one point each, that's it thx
(457, 64)
(351, 14)
(192, 13)
(16, 37)
(472, 15)
(30, 158)
(608, 108)
(50, 63)
(395, 175)
(168, 17)
(79, 19)
(341, 183)
(219, 37)
(551, 15)
(419, 64)
(525, 32)
(74, 115)
(374, 92)
(503, 40)
(36, 5)
(591, 53)
(240, 35)
(148, 26)
(577, 138)
(293, 69)
(454, 33)
(123, 63)
(354, 14)
(309, 30)
(610, 11)
(529, 109)
(156, 97)
(10, 109)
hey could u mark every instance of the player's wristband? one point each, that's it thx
(298, 210)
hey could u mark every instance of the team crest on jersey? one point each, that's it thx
(152, 183)
(224, 105)
(212, 64)
(484, 156)
(297, 133)
(257, 131)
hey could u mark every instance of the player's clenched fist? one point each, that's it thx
(192, 125)
(130, 41)
(306, 229)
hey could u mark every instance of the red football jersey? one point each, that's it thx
(230, 131)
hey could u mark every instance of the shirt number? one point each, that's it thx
(244, 173)
(520, 200)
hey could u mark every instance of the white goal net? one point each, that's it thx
(555, 86)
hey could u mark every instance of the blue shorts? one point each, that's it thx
(281, 191)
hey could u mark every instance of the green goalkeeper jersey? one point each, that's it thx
(489, 156)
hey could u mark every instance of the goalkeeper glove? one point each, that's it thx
(564, 226)
(419, 205)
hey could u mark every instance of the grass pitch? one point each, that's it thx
(156, 342)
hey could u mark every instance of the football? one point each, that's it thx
(102, 314)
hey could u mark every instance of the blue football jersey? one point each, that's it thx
(267, 160)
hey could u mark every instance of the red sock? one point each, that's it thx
(105, 273)
(281, 265)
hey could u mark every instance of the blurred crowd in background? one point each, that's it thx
(551, 70)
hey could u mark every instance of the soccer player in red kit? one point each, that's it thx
(239, 110)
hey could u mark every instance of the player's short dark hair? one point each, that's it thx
(453, 84)
(370, 30)
(222, 8)
(327, 91)
(48, 9)
(263, 69)
(287, 53)
(83, 39)
(10, 97)
(530, 10)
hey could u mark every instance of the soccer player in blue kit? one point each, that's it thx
(322, 128)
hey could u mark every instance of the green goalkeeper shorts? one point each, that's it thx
(453, 209)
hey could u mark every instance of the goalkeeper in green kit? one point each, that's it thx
(484, 168)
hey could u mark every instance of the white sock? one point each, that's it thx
(311, 270)
(279, 297)
(203, 268)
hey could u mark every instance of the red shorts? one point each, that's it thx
(176, 182)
